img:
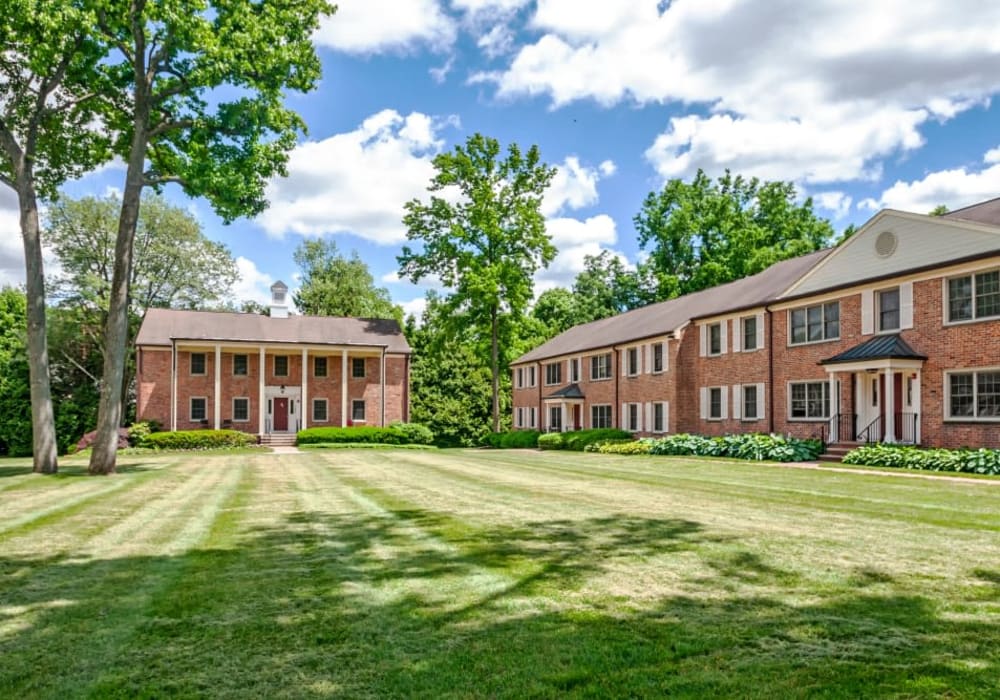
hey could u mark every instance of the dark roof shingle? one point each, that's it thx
(881, 347)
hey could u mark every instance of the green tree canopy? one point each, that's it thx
(483, 235)
(703, 233)
(335, 285)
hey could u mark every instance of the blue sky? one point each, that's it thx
(863, 104)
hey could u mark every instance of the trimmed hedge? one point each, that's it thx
(578, 440)
(395, 434)
(512, 439)
(198, 440)
(981, 461)
(622, 447)
(752, 446)
(362, 445)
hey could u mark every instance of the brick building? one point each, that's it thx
(893, 336)
(201, 369)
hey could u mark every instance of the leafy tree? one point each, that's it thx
(335, 285)
(606, 287)
(704, 233)
(201, 105)
(939, 210)
(15, 422)
(484, 239)
(50, 80)
(556, 309)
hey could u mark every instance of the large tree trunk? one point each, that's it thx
(495, 367)
(43, 425)
(116, 331)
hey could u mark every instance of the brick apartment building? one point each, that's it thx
(200, 369)
(893, 336)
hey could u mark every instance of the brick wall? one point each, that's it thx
(153, 386)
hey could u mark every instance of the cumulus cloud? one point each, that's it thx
(357, 182)
(253, 284)
(374, 26)
(814, 92)
(575, 240)
(11, 247)
(839, 203)
(955, 188)
(574, 186)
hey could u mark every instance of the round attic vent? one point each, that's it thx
(885, 244)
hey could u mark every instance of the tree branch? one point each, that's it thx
(164, 127)
(151, 180)
(79, 366)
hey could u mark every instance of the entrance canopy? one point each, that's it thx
(888, 351)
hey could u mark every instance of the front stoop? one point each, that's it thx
(278, 440)
(835, 451)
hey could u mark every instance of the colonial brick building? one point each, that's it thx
(270, 375)
(892, 336)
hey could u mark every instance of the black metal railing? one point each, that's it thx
(871, 432)
(841, 427)
(906, 427)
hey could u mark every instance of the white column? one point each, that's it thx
(173, 386)
(834, 410)
(343, 388)
(565, 418)
(261, 400)
(218, 386)
(381, 374)
(305, 388)
(890, 407)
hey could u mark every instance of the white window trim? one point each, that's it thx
(326, 410)
(204, 364)
(630, 370)
(877, 310)
(807, 419)
(532, 376)
(519, 378)
(948, 418)
(533, 416)
(611, 414)
(663, 357)
(359, 420)
(946, 301)
(241, 398)
(610, 369)
(722, 338)
(666, 418)
(191, 400)
(240, 354)
(742, 332)
(757, 404)
(821, 304)
(288, 366)
(546, 368)
(723, 399)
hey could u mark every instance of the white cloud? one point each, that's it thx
(414, 307)
(497, 41)
(955, 188)
(608, 168)
(440, 73)
(839, 203)
(575, 240)
(573, 187)
(253, 284)
(814, 92)
(374, 26)
(11, 246)
(357, 182)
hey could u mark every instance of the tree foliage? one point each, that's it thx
(703, 233)
(335, 285)
(483, 235)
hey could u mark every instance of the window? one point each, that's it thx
(632, 361)
(810, 400)
(199, 409)
(974, 296)
(520, 378)
(974, 395)
(600, 367)
(715, 339)
(600, 416)
(750, 402)
(197, 363)
(320, 413)
(279, 297)
(281, 365)
(519, 418)
(715, 403)
(813, 324)
(241, 410)
(555, 418)
(532, 415)
(319, 367)
(749, 332)
(531, 376)
(574, 370)
(358, 367)
(358, 410)
(658, 357)
(633, 417)
(553, 373)
(888, 310)
(240, 365)
(659, 417)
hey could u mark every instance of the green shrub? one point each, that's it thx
(578, 440)
(138, 432)
(512, 439)
(198, 439)
(362, 445)
(753, 446)
(622, 447)
(396, 434)
(981, 461)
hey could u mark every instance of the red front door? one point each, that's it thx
(280, 414)
(576, 417)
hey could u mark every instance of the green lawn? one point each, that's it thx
(371, 573)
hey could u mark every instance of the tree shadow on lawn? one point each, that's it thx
(342, 605)
(70, 471)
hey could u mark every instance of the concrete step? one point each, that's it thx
(835, 451)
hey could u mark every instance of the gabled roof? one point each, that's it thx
(881, 347)
(665, 317)
(162, 326)
(987, 212)
(573, 391)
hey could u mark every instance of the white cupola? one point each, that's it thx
(279, 300)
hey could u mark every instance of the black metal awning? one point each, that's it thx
(572, 391)
(881, 347)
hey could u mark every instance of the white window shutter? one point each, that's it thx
(724, 339)
(737, 335)
(704, 403)
(760, 330)
(906, 305)
(623, 418)
(666, 354)
(649, 358)
(867, 312)
(725, 402)
(704, 340)
(624, 362)
(737, 401)
(760, 400)
(666, 416)
(649, 417)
